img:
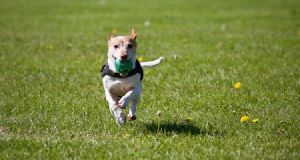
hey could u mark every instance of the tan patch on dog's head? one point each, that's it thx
(121, 40)
(122, 47)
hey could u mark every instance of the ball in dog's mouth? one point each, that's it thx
(123, 66)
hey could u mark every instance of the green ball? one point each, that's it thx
(123, 66)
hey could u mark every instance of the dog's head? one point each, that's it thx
(122, 48)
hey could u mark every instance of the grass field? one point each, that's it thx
(52, 103)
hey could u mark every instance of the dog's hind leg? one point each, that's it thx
(132, 109)
(134, 101)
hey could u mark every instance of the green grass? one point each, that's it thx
(52, 103)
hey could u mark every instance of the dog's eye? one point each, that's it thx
(116, 46)
(129, 46)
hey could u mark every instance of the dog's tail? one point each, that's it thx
(152, 63)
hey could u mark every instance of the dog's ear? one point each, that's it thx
(133, 34)
(110, 36)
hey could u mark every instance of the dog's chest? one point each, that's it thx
(120, 86)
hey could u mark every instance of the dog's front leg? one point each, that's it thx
(114, 109)
(134, 95)
(123, 102)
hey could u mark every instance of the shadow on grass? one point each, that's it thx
(169, 128)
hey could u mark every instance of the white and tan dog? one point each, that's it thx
(127, 86)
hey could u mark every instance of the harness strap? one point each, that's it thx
(106, 71)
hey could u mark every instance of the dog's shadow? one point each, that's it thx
(170, 128)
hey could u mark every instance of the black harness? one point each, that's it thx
(138, 69)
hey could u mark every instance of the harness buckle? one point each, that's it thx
(123, 74)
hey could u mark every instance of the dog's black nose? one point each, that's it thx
(124, 57)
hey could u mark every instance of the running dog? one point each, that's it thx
(122, 76)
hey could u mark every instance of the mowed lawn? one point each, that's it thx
(52, 103)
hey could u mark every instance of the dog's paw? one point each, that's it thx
(131, 117)
(121, 120)
(123, 103)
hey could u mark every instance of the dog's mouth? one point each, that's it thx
(123, 67)
(122, 60)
